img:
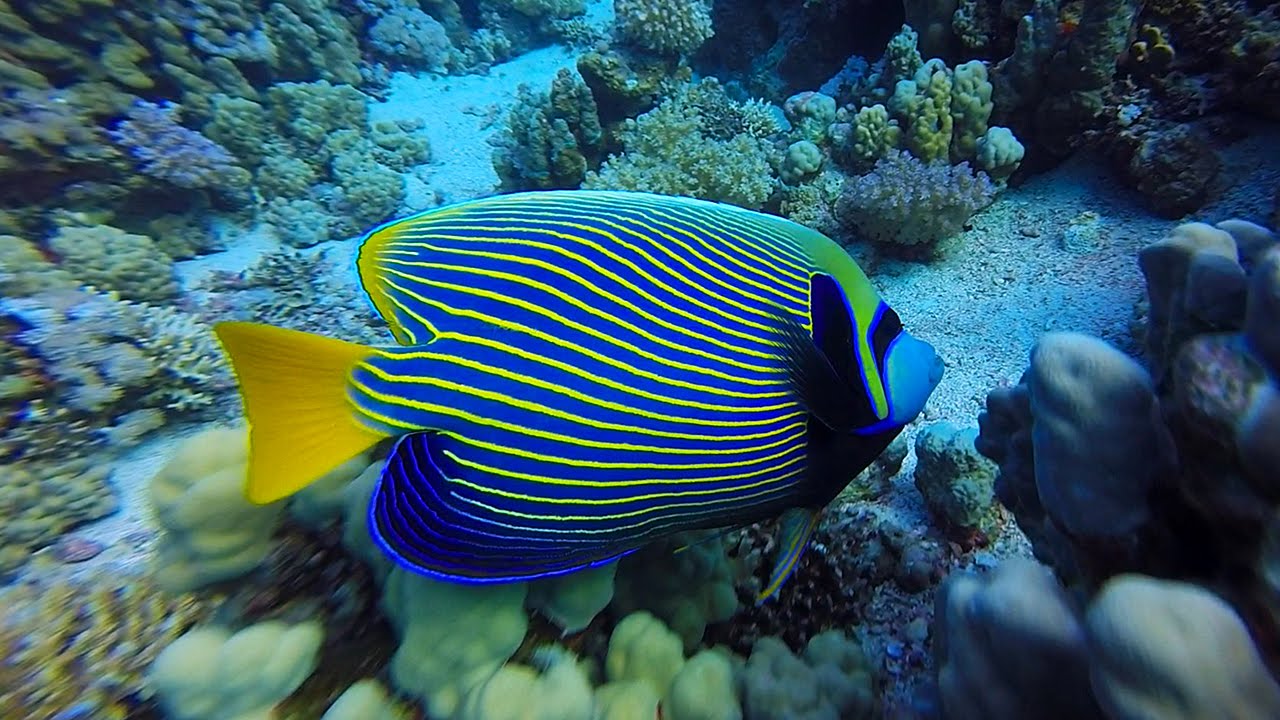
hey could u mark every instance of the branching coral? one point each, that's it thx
(98, 362)
(668, 27)
(697, 143)
(296, 290)
(909, 202)
(551, 140)
(79, 650)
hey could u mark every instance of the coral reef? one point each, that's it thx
(551, 140)
(683, 147)
(292, 289)
(666, 27)
(77, 649)
(42, 503)
(110, 259)
(94, 363)
(321, 169)
(906, 201)
(1149, 493)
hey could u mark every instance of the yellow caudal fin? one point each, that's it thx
(294, 388)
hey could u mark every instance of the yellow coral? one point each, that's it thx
(73, 646)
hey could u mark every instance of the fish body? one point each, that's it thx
(580, 373)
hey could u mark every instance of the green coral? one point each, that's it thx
(667, 27)
(812, 203)
(24, 270)
(935, 112)
(872, 134)
(72, 68)
(111, 259)
(551, 140)
(308, 133)
(1151, 54)
(956, 482)
(311, 40)
(810, 114)
(925, 104)
(697, 143)
(620, 87)
(998, 153)
(970, 108)
(803, 159)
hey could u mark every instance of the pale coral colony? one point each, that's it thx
(142, 141)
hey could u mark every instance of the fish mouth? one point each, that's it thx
(913, 370)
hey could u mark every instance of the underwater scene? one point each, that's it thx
(639, 359)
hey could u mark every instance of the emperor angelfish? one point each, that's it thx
(580, 373)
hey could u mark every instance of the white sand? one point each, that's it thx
(461, 114)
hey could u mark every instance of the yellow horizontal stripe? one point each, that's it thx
(446, 411)
(587, 285)
(516, 402)
(523, 379)
(426, 222)
(612, 362)
(631, 532)
(614, 516)
(605, 337)
(402, 242)
(780, 481)
(613, 465)
(558, 220)
(548, 480)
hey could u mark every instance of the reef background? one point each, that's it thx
(181, 163)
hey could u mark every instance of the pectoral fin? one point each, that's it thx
(795, 528)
